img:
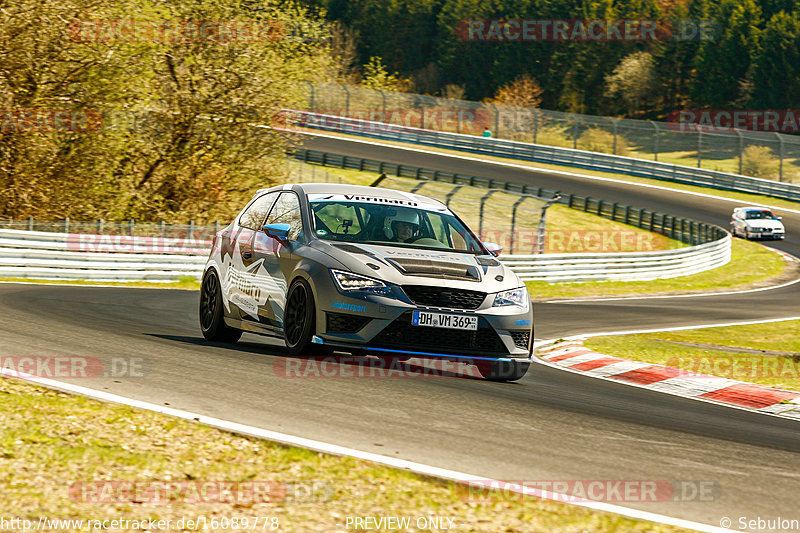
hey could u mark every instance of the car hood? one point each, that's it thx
(764, 223)
(413, 266)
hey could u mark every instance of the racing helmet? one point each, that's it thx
(404, 215)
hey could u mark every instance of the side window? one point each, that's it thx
(257, 212)
(287, 211)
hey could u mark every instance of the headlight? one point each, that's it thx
(513, 297)
(348, 281)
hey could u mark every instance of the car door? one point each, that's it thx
(275, 259)
(241, 283)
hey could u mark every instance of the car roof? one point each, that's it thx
(360, 190)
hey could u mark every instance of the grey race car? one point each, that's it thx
(369, 271)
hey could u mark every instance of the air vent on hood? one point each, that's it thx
(353, 249)
(436, 269)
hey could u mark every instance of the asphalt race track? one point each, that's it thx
(552, 425)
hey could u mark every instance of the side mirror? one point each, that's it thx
(493, 248)
(278, 231)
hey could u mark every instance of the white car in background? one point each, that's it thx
(756, 223)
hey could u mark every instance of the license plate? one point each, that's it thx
(439, 320)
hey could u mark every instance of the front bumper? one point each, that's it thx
(383, 324)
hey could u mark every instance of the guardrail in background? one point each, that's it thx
(630, 266)
(63, 256)
(123, 257)
(547, 154)
(682, 229)
(775, 157)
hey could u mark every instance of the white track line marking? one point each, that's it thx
(665, 296)
(572, 174)
(358, 454)
(677, 328)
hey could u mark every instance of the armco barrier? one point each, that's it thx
(632, 266)
(683, 229)
(61, 256)
(546, 154)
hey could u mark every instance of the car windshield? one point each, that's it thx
(760, 214)
(372, 222)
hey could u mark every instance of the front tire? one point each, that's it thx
(299, 320)
(503, 370)
(212, 321)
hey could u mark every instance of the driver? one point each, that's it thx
(404, 225)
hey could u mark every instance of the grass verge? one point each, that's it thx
(57, 449)
(767, 354)
(750, 263)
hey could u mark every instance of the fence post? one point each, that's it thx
(480, 212)
(741, 149)
(541, 228)
(66, 224)
(699, 146)
(614, 129)
(575, 133)
(535, 124)
(346, 101)
(655, 142)
(30, 223)
(311, 97)
(383, 105)
(99, 225)
(130, 226)
(514, 222)
(163, 227)
(190, 232)
(780, 167)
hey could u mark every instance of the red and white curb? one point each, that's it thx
(573, 355)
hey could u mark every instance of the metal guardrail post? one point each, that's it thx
(130, 226)
(741, 149)
(450, 195)
(346, 101)
(480, 211)
(311, 97)
(656, 136)
(99, 225)
(30, 224)
(66, 224)
(514, 221)
(699, 147)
